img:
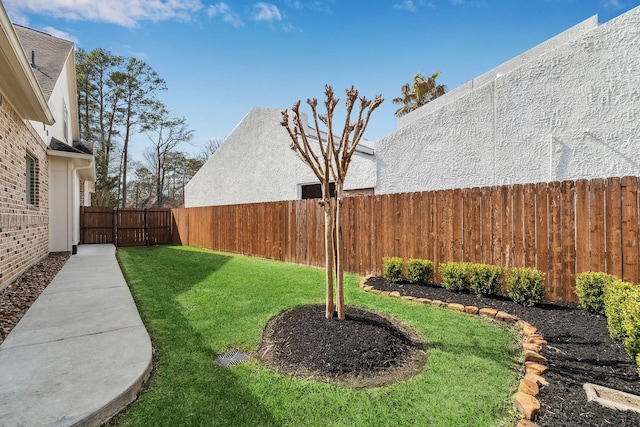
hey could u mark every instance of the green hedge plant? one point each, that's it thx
(590, 290)
(392, 269)
(419, 270)
(525, 285)
(615, 294)
(485, 279)
(455, 276)
(631, 322)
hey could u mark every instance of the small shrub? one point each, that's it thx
(485, 279)
(638, 362)
(615, 294)
(590, 290)
(525, 285)
(631, 322)
(420, 270)
(455, 276)
(392, 269)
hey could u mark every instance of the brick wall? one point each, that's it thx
(24, 228)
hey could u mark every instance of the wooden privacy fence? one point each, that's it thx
(125, 227)
(561, 228)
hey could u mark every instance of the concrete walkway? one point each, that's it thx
(81, 352)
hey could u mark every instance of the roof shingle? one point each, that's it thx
(50, 54)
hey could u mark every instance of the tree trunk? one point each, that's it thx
(339, 252)
(328, 248)
(125, 152)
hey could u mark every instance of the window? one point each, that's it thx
(31, 179)
(65, 123)
(314, 191)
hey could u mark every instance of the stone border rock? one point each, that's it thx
(524, 399)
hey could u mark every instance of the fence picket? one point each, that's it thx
(582, 232)
(629, 190)
(559, 228)
(567, 287)
(613, 226)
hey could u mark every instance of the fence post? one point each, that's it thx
(146, 227)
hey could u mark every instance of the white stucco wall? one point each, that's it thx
(567, 109)
(63, 94)
(256, 164)
(60, 204)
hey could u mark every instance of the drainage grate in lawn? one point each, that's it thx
(232, 358)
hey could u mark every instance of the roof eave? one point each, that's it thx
(84, 163)
(17, 81)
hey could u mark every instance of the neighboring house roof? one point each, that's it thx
(151, 202)
(364, 146)
(47, 55)
(17, 80)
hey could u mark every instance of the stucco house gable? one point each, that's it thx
(256, 164)
(564, 110)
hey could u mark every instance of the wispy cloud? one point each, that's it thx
(317, 6)
(413, 6)
(127, 13)
(60, 34)
(228, 16)
(406, 5)
(290, 28)
(615, 4)
(266, 12)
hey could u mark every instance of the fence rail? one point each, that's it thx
(561, 228)
(125, 227)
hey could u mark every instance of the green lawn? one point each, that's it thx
(197, 303)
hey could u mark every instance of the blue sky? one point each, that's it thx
(220, 59)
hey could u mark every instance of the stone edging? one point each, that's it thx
(534, 363)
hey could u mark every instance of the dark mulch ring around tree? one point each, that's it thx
(580, 350)
(364, 350)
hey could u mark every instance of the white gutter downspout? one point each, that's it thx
(76, 209)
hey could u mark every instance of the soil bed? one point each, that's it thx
(366, 349)
(16, 298)
(580, 350)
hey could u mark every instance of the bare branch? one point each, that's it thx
(303, 152)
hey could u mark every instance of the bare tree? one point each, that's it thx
(165, 133)
(209, 148)
(330, 160)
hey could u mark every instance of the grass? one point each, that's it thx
(197, 303)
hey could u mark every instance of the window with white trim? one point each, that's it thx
(31, 180)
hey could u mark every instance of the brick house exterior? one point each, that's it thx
(24, 228)
(43, 166)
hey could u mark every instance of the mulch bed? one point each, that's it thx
(18, 296)
(580, 350)
(365, 349)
